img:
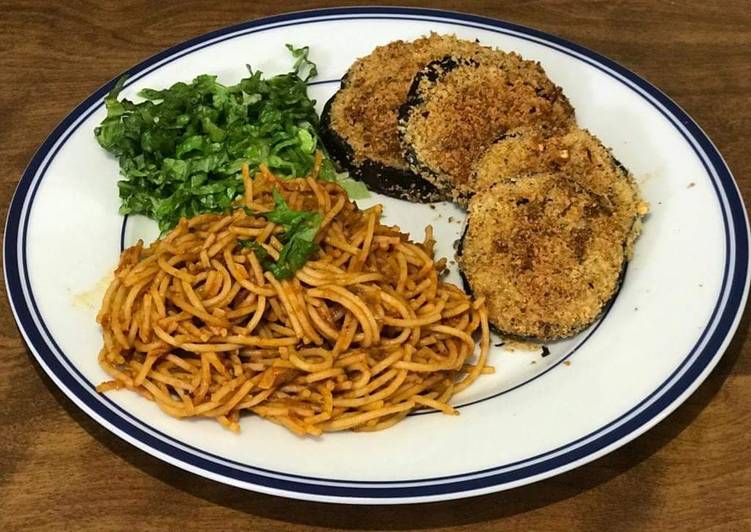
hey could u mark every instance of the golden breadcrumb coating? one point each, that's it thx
(577, 154)
(364, 111)
(469, 106)
(540, 248)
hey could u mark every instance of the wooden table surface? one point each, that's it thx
(59, 469)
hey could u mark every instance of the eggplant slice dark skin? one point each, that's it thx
(431, 73)
(530, 319)
(388, 180)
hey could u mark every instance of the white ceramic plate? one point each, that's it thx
(537, 416)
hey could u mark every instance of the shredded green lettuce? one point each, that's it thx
(181, 149)
(355, 189)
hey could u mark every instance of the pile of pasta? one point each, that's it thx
(363, 334)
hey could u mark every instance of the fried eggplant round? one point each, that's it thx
(544, 252)
(458, 106)
(359, 123)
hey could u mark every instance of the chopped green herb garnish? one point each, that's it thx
(298, 238)
(286, 217)
(263, 256)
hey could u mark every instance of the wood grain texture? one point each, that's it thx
(58, 469)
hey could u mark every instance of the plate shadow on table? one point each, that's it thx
(425, 515)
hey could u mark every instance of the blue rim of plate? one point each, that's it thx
(664, 399)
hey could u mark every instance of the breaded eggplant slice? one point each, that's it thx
(359, 122)
(544, 252)
(576, 153)
(395, 179)
(457, 107)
